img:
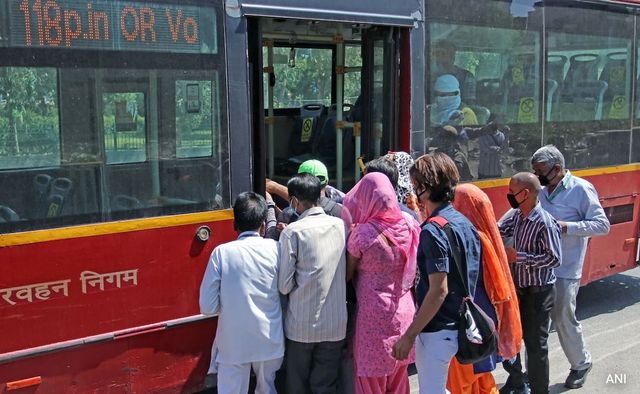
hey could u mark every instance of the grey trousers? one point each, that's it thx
(313, 368)
(567, 325)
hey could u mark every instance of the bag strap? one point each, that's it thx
(455, 249)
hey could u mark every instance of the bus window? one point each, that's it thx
(482, 69)
(194, 118)
(352, 79)
(29, 124)
(124, 127)
(111, 132)
(589, 67)
(302, 76)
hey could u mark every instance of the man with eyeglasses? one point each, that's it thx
(535, 254)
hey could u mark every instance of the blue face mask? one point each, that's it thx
(443, 108)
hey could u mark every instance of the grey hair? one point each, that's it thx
(548, 154)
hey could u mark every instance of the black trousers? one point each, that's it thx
(535, 315)
(313, 368)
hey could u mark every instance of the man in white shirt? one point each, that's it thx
(313, 274)
(574, 203)
(240, 285)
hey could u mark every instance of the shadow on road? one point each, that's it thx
(608, 295)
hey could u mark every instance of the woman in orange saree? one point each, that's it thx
(472, 202)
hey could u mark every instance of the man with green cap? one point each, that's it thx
(328, 195)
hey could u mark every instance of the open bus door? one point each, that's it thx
(322, 90)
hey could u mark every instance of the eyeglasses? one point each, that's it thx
(418, 194)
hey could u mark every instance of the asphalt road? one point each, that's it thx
(610, 313)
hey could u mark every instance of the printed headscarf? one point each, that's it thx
(403, 162)
(373, 200)
(473, 203)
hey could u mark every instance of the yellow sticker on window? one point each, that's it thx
(307, 129)
(517, 75)
(618, 109)
(527, 110)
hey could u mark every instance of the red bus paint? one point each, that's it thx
(118, 332)
(615, 252)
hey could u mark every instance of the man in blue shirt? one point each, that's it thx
(574, 203)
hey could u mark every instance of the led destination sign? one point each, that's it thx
(112, 25)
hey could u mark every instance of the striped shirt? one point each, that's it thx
(536, 239)
(313, 274)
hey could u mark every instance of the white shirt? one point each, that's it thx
(576, 202)
(240, 285)
(313, 273)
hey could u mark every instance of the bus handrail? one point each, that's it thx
(93, 339)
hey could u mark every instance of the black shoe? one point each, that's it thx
(576, 379)
(509, 389)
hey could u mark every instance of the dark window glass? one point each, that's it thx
(589, 84)
(91, 137)
(493, 51)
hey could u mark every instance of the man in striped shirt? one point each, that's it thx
(535, 253)
(313, 273)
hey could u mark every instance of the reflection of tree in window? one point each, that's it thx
(29, 122)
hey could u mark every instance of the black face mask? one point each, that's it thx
(544, 181)
(513, 201)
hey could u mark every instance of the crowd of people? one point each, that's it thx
(339, 293)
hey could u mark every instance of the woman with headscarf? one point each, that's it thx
(473, 203)
(381, 259)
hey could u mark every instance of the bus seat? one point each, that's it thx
(59, 194)
(306, 128)
(326, 142)
(489, 92)
(552, 97)
(555, 67)
(614, 73)
(482, 113)
(8, 215)
(581, 101)
(513, 98)
(582, 67)
(41, 185)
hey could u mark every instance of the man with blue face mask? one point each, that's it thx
(447, 108)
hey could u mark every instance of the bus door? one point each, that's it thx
(326, 92)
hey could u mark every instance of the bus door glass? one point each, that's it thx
(330, 92)
(380, 91)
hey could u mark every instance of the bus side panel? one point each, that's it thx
(169, 261)
(170, 361)
(615, 252)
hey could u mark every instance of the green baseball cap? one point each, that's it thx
(316, 168)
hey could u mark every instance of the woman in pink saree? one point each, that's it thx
(381, 259)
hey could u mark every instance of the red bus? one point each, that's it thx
(126, 128)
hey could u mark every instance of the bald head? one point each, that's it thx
(527, 180)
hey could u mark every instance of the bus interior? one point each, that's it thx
(559, 82)
(327, 94)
